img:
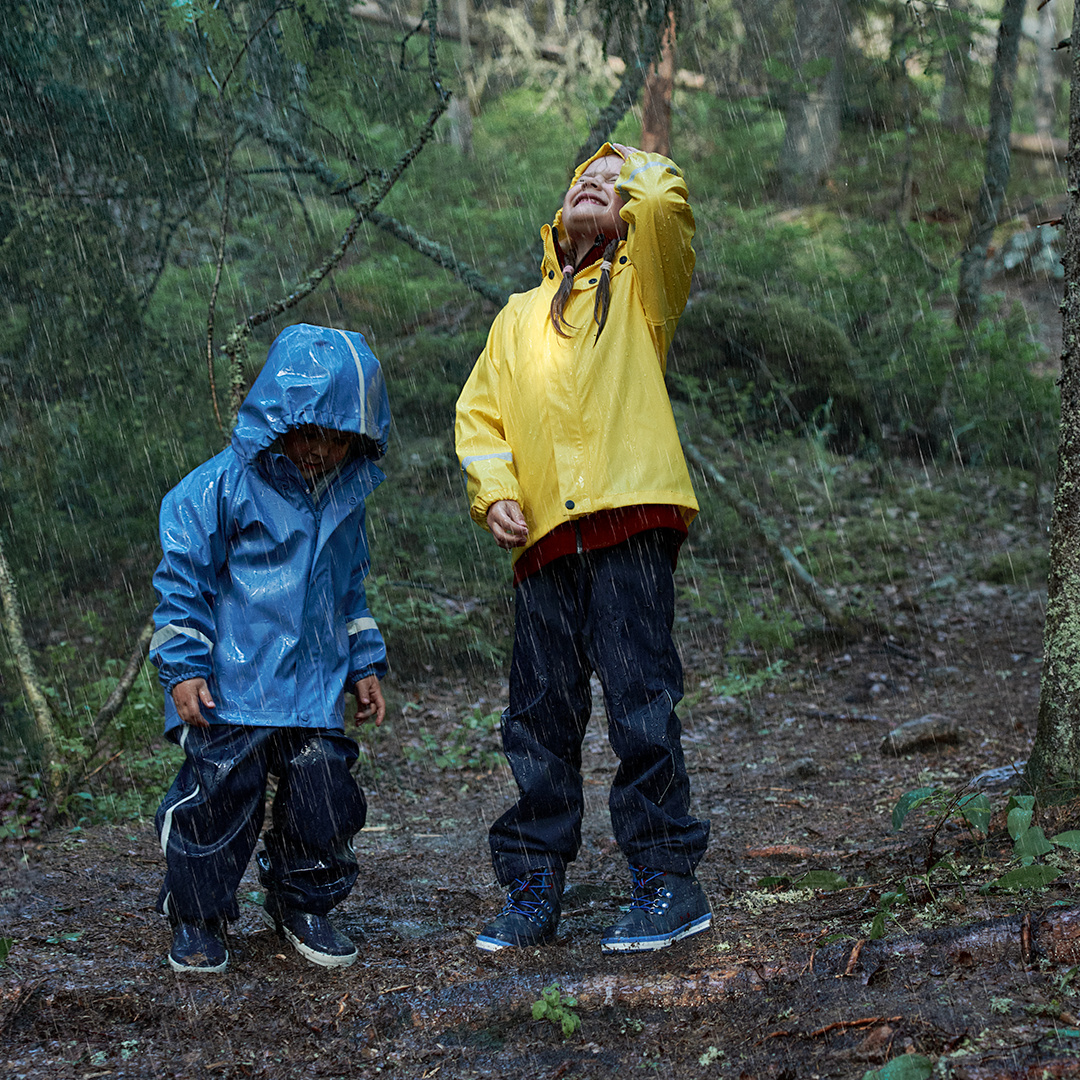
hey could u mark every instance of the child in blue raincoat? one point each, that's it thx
(262, 626)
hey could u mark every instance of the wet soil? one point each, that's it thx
(794, 780)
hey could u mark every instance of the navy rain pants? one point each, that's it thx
(608, 611)
(211, 817)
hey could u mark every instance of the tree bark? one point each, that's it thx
(36, 701)
(955, 63)
(812, 131)
(1045, 71)
(1053, 768)
(997, 168)
(656, 101)
(461, 104)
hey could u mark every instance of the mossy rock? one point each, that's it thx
(773, 342)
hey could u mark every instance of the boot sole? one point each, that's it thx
(490, 944)
(198, 969)
(658, 941)
(321, 958)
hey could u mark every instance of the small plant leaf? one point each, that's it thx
(1018, 821)
(1028, 877)
(1070, 840)
(1033, 843)
(976, 811)
(5, 948)
(825, 880)
(909, 801)
(905, 1067)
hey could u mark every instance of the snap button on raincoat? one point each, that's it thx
(261, 582)
(566, 427)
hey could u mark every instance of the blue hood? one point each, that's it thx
(315, 375)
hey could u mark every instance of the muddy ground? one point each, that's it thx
(794, 780)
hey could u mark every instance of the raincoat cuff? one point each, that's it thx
(175, 680)
(355, 676)
(482, 504)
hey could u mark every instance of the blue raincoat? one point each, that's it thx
(261, 582)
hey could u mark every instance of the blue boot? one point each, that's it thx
(665, 908)
(199, 946)
(530, 915)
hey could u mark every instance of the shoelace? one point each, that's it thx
(535, 884)
(648, 889)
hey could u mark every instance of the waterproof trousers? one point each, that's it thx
(211, 817)
(608, 611)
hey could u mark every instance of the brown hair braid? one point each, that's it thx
(603, 290)
(558, 301)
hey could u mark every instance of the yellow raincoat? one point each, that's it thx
(566, 427)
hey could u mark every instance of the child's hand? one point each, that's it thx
(507, 524)
(626, 151)
(370, 700)
(188, 696)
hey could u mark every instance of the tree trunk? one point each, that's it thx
(955, 64)
(656, 101)
(996, 171)
(1045, 71)
(1053, 769)
(461, 103)
(813, 112)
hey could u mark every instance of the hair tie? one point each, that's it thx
(568, 269)
(605, 265)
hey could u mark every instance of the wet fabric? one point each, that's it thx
(577, 615)
(261, 584)
(211, 817)
(570, 426)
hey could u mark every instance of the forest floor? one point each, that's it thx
(794, 781)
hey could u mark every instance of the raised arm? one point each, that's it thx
(661, 228)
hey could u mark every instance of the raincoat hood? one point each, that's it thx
(607, 150)
(315, 375)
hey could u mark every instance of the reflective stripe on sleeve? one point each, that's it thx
(359, 625)
(167, 633)
(504, 456)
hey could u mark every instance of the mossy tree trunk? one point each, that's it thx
(1053, 770)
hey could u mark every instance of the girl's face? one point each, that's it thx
(591, 206)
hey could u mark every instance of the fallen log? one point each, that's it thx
(1053, 936)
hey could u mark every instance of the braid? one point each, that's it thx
(558, 301)
(603, 290)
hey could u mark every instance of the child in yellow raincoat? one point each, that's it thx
(567, 440)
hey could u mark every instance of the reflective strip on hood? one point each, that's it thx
(359, 376)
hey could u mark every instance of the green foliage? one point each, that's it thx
(474, 743)
(5, 949)
(745, 684)
(557, 1008)
(1030, 843)
(905, 1067)
(890, 899)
